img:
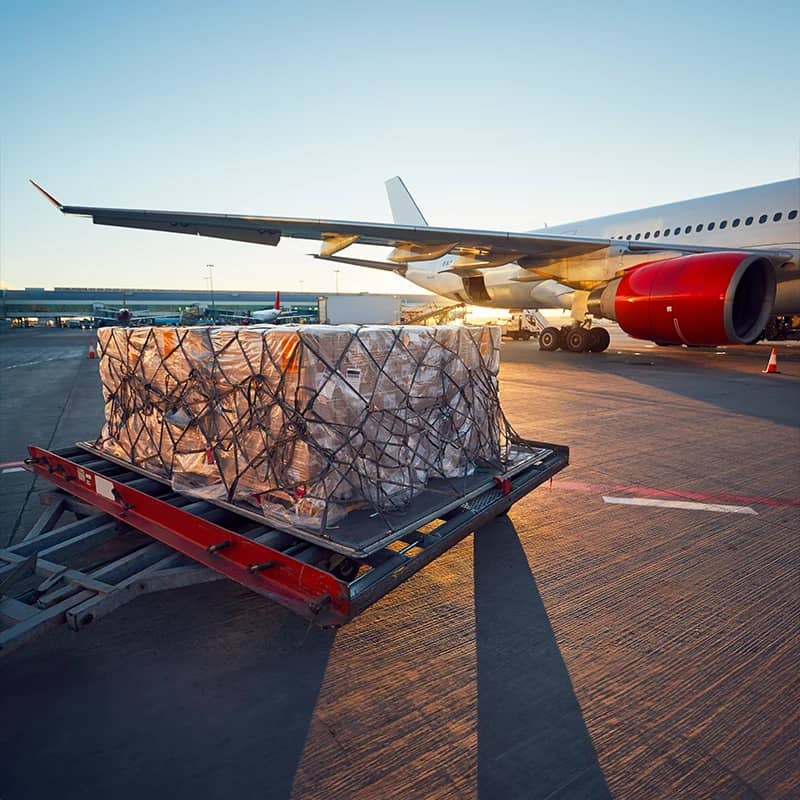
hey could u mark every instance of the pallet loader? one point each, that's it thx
(131, 534)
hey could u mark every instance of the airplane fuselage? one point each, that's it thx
(764, 217)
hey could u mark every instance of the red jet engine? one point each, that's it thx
(700, 299)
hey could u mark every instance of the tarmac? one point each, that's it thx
(631, 631)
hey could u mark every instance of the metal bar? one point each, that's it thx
(13, 611)
(47, 520)
(16, 571)
(52, 538)
(79, 616)
(26, 630)
(82, 542)
(46, 568)
(124, 567)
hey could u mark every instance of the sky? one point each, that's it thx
(497, 115)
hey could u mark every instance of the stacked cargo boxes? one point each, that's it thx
(307, 422)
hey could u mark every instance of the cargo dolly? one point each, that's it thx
(133, 535)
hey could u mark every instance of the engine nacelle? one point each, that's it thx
(700, 299)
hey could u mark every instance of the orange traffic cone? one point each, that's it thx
(92, 353)
(772, 364)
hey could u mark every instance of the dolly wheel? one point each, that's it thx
(346, 570)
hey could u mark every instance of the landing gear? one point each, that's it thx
(550, 339)
(575, 339)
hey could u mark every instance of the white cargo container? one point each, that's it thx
(361, 309)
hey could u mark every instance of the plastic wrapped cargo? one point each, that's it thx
(305, 422)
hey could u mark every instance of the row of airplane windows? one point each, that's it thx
(776, 217)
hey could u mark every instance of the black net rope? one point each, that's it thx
(305, 422)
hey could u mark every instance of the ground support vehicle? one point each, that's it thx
(524, 324)
(133, 535)
(783, 328)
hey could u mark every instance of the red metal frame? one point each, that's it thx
(303, 588)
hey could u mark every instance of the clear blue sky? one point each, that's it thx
(497, 115)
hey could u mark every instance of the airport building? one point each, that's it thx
(39, 304)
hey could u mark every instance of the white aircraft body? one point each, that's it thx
(707, 271)
(270, 314)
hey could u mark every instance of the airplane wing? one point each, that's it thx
(477, 249)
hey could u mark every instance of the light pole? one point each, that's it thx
(210, 268)
(336, 272)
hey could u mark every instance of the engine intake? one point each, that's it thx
(700, 299)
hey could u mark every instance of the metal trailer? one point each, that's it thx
(132, 535)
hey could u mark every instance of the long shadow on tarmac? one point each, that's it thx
(532, 740)
(747, 392)
(202, 696)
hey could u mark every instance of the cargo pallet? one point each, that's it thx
(133, 535)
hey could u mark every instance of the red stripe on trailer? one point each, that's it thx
(269, 572)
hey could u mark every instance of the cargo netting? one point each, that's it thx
(305, 423)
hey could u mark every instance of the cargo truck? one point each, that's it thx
(360, 309)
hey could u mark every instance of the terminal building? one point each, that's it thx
(44, 306)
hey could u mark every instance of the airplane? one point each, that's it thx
(108, 315)
(709, 271)
(270, 314)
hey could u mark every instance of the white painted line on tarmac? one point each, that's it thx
(13, 469)
(43, 361)
(684, 504)
(23, 364)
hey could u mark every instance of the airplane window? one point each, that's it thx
(676, 232)
(666, 232)
(793, 214)
(748, 221)
(762, 219)
(638, 236)
(736, 222)
(723, 224)
(656, 234)
(711, 226)
(628, 236)
(687, 229)
(647, 235)
(777, 217)
(699, 228)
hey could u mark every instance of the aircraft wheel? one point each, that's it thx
(599, 340)
(576, 340)
(550, 339)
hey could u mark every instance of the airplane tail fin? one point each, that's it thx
(404, 210)
(278, 300)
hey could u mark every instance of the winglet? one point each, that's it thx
(50, 197)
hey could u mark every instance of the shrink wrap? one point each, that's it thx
(305, 422)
